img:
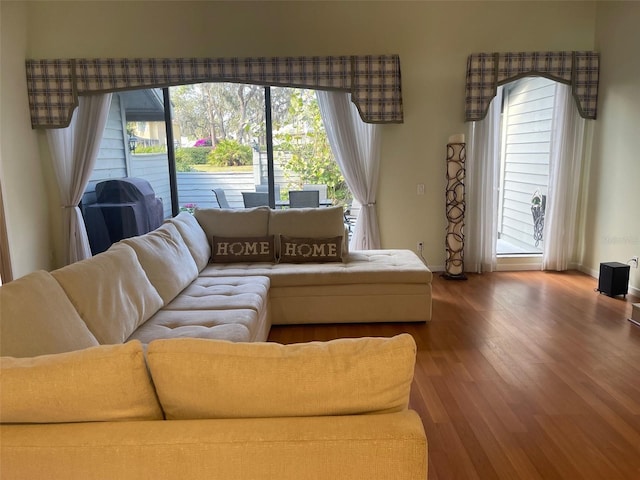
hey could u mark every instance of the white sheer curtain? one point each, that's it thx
(356, 148)
(74, 150)
(482, 188)
(567, 140)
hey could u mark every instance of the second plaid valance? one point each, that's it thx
(485, 71)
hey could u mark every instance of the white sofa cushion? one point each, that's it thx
(232, 324)
(194, 236)
(248, 222)
(37, 318)
(111, 292)
(99, 384)
(359, 267)
(223, 293)
(226, 308)
(198, 378)
(166, 260)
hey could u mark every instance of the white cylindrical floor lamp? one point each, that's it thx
(455, 199)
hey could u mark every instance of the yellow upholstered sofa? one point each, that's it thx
(212, 409)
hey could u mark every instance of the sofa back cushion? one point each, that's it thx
(194, 237)
(197, 378)
(98, 384)
(248, 222)
(308, 223)
(111, 292)
(166, 260)
(37, 318)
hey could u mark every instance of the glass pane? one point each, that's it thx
(128, 193)
(303, 160)
(220, 136)
(524, 176)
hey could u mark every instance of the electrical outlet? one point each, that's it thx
(420, 246)
(634, 262)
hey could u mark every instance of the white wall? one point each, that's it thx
(433, 40)
(612, 232)
(23, 175)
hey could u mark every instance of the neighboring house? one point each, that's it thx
(527, 113)
(115, 158)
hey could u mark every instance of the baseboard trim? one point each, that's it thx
(515, 267)
(518, 267)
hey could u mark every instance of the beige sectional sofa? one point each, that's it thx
(164, 284)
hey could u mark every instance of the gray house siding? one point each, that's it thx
(111, 161)
(154, 167)
(527, 115)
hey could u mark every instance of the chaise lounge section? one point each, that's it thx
(364, 286)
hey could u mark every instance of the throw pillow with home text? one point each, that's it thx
(242, 249)
(301, 250)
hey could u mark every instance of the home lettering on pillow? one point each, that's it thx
(242, 249)
(297, 250)
(310, 249)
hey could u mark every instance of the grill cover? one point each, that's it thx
(124, 208)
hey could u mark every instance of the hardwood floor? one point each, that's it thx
(521, 375)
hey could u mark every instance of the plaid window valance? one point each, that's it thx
(373, 80)
(485, 71)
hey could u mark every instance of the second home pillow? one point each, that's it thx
(242, 249)
(301, 250)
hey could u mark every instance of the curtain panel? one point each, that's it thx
(373, 80)
(74, 151)
(486, 71)
(566, 158)
(356, 148)
(483, 180)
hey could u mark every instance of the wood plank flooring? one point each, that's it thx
(521, 375)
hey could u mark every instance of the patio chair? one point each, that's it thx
(320, 187)
(221, 198)
(255, 199)
(304, 198)
(265, 188)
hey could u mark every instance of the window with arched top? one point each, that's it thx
(525, 153)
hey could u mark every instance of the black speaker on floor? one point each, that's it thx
(614, 278)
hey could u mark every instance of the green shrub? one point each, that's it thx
(192, 155)
(182, 165)
(230, 153)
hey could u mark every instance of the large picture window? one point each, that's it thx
(56, 87)
(234, 146)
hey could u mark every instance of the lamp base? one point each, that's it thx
(448, 276)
